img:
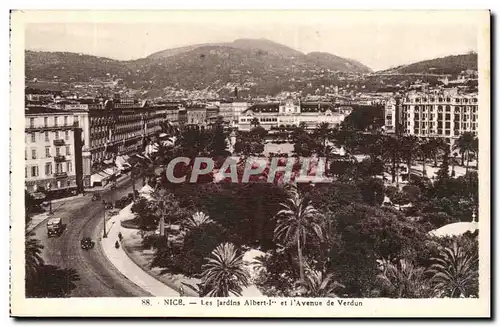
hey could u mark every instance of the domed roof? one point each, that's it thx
(455, 229)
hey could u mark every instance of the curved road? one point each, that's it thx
(83, 217)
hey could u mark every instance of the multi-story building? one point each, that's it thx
(445, 114)
(274, 115)
(197, 115)
(88, 142)
(53, 161)
(230, 110)
(113, 133)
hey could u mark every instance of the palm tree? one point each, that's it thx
(410, 145)
(323, 131)
(455, 273)
(426, 150)
(466, 143)
(296, 220)
(225, 272)
(318, 284)
(437, 146)
(403, 280)
(392, 150)
(198, 219)
(33, 258)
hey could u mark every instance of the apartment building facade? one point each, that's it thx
(445, 114)
(50, 152)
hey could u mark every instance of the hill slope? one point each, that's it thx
(446, 65)
(267, 66)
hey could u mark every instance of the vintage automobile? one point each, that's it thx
(54, 227)
(87, 243)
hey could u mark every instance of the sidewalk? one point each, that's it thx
(124, 264)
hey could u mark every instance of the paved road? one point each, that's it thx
(83, 217)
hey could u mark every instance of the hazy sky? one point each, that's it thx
(375, 40)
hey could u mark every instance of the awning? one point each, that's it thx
(109, 171)
(96, 178)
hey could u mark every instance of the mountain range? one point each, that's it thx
(265, 66)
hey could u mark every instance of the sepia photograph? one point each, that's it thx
(245, 163)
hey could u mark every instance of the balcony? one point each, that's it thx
(61, 175)
(59, 158)
(59, 142)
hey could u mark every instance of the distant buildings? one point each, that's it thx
(290, 113)
(445, 114)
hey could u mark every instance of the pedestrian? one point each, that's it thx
(120, 236)
(117, 245)
(181, 291)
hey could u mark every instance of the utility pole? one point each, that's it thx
(105, 235)
(49, 186)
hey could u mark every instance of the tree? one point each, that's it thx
(443, 173)
(295, 221)
(225, 272)
(392, 151)
(403, 280)
(437, 146)
(426, 150)
(466, 144)
(33, 259)
(198, 219)
(455, 272)
(218, 145)
(410, 146)
(167, 210)
(255, 122)
(323, 132)
(318, 284)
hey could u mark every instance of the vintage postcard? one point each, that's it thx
(250, 164)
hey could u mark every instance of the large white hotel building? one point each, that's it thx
(444, 114)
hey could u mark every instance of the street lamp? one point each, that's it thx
(105, 235)
(453, 161)
(49, 186)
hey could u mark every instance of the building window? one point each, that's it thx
(68, 150)
(34, 171)
(45, 121)
(68, 166)
(447, 125)
(26, 172)
(33, 138)
(32, 122)
(47, 152)
(48, 168)
(447, 117)
(55, 121)
(59, 168)
(65, 120)
(33, 153)
(58, 151)
(46, 136)
(57, 135)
